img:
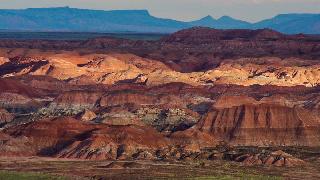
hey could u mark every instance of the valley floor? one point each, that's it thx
(51, 168)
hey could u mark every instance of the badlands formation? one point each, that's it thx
(197, 56)
(179, 98)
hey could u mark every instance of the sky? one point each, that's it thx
(185, 10)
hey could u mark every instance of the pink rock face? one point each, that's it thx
(3, 60)
(86, 115)
(108, 98)
(246, 122)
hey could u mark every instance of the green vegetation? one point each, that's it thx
(10, 175)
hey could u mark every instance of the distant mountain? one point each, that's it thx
(292, 23)
(225, 22)
(206, 21)
(71, 19)
(84, 20)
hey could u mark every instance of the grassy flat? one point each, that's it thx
(12, 175)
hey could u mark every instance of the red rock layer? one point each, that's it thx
(244, 121)
(70, 138)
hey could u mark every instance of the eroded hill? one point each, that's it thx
(173, 99)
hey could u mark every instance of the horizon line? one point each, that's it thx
(150, 13)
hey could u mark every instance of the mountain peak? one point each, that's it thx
(76, 19)
(207, 18)
(223, 18)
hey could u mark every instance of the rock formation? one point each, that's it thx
(276, 158)
(86, 115)
(243, 121)
(171, 99)
(197, 56)
(5, 116)
(67, 137)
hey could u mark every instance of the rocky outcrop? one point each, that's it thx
(201, 35)
(172, 99)
(17, 103)
(197, 56)
(70, 103)
(15, 87)
(19, 98)
(114, 143)
(3, 60)
(41, 138)
(168, 120)
(120, 69)
(70, 138)
(276, 158)
(76, 99)
(5, 116)
(143, 99)
(267, 70)
(246, 122)
(86, 115)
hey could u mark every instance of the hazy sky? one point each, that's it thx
(250, 10)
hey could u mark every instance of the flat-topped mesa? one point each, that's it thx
(209, 35)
